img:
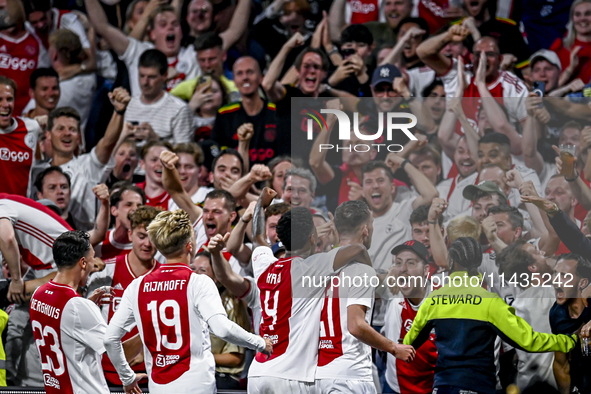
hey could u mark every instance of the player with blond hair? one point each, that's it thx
(170, 306)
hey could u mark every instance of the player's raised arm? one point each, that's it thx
(258, 219)
(173, 186)
(353, 252)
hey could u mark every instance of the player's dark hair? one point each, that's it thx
(153, 58)
(356, 33)
(117, 195)
(421, 214)
(70, 247)
(372, 165)
(207, 41)
(514, 260)
(229, 202)
(150, 144)
(67, 112)
(233, 152)
(42, 72)
(515, 217)
(300, 219)
(466, 252)
(583, 265)
(319, 52)
(49, 170)
(36, 5)
(350, 216)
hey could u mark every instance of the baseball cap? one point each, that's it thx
(548, 55)
(277, 248)
(385, 73)
(414, 246)
(471, 191)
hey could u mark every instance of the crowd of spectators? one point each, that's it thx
(94, 92)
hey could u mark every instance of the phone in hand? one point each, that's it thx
(347, 52)
(202, 81)
(539, 88)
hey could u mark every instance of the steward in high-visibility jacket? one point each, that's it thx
(467, 319)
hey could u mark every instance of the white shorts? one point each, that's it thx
(334, 386)
(271, 385)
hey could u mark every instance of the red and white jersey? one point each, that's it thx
(109, 248)
(416, 377)
(18, 59)
(290, 312)
(171, 307)
(362, 11)
(68, 332)
(160, 201)
(17, 152)
(119, 275)
(340, 354)
(508, 89)
(36, 228)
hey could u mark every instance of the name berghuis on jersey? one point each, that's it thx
(46, 309)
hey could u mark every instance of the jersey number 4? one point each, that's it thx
(163, 323)
(48, 365)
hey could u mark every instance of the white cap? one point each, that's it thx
(548, 55)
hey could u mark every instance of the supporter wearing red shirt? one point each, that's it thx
(20, 53)
(574, 50)
(156, 196)
(124, 201)
(18, 141)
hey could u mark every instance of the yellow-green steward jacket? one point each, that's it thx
(466, 319)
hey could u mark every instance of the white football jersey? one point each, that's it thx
(340, 354)
(291, 310)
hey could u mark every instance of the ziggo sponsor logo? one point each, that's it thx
(16, 63)
(11, 155)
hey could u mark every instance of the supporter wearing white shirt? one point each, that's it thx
(86, 170)
(391, 219)
(451, 189)
(165, 35)
(170, 117)
(495, 148)
(533, 304)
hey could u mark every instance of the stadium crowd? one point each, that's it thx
(142, 137)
